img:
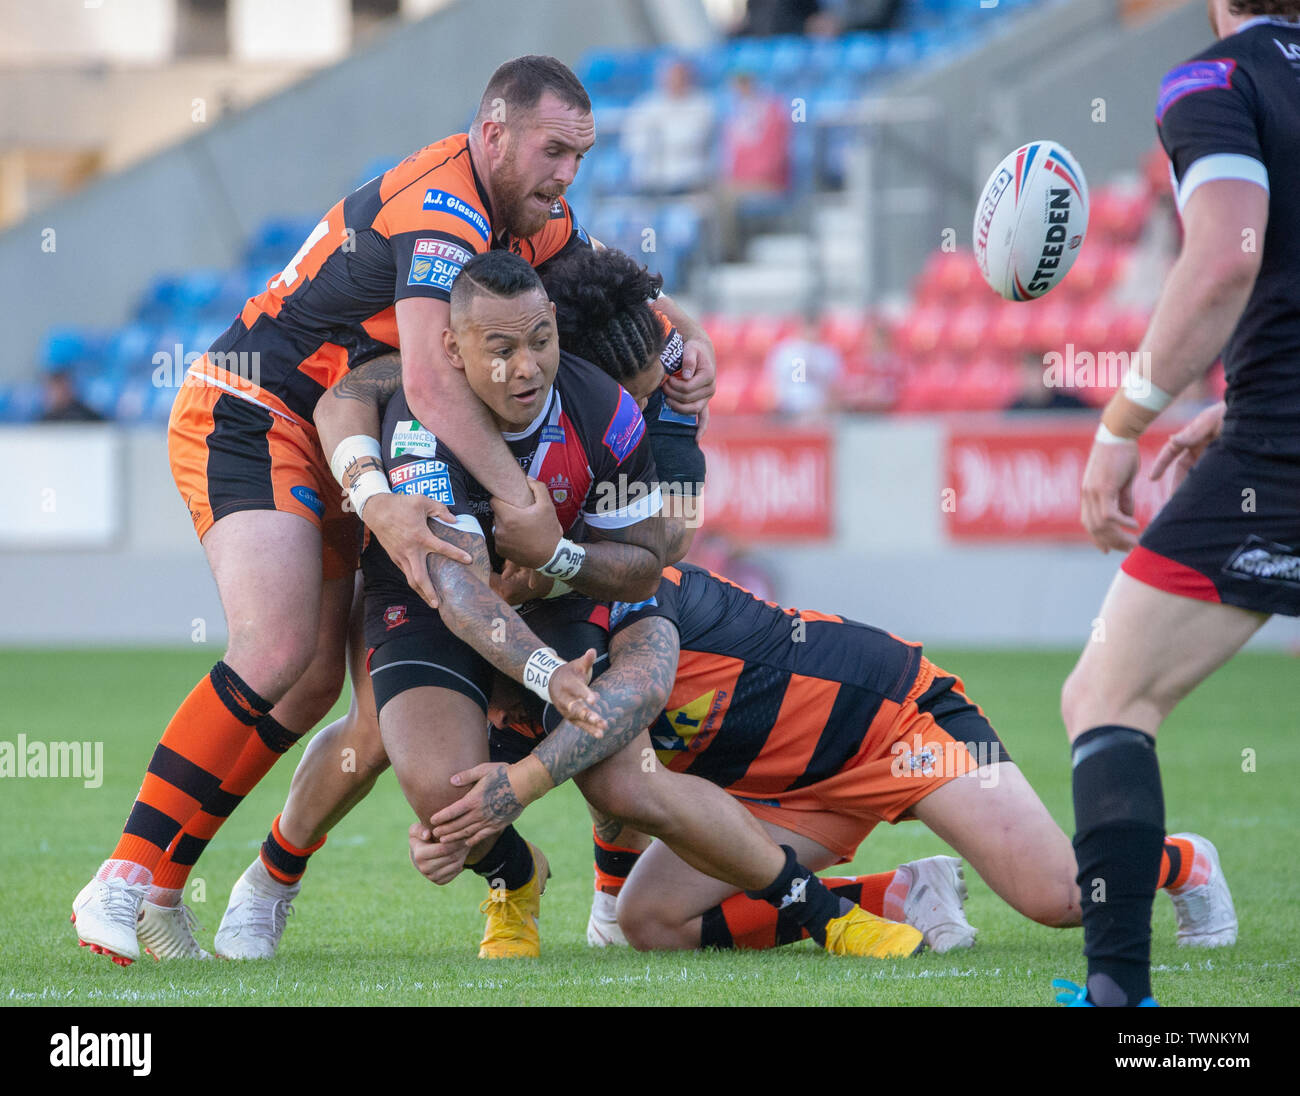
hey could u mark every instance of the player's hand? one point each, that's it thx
(438, 861)
(1107, 495)
(515, 584)
(528, 536)
(702, 424)
(689, 391)
(487, 807)
(572, 698)
(1184, 448)
(401, 522)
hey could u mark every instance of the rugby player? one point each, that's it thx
(603, 314)
(821, 727)
(566, 433)
(372, 276)
(1221, 555)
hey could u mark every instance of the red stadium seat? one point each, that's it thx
(848, 332)
(1118, 213)
(758, 334)
(1091, 325)
(948, 276)
(1050, 327)
(967, 328)
(1009, 330)
(919, 334)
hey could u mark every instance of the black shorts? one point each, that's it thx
(1230, 533)
(410, 646)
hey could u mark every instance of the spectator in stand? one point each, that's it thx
(1036, 394)
(61, 402)
(756, 160)
(668, 135)
(803, 372)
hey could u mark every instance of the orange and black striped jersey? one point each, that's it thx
(405, 233)
(767, 699)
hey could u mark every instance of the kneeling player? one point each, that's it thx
(821, 727)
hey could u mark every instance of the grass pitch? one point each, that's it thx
(369, 931)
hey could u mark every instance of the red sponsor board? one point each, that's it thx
(768, 483)
(1013, 483)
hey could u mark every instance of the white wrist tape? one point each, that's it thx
(1104, 436)
(367, 485)
(1142, 392)
(541, 664)
(558, 589)
(352, 449)
(566, 561)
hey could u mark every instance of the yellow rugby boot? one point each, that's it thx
(512, 916)
(861, 933)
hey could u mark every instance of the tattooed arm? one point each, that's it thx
(630, 696)
(623, 564)
(353, 404)
(620, 565)
(477, 615)
(401, 522)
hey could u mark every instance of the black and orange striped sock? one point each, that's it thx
(1175, 862)
(260, 752)
(200, 746)
(613, 865)
(751, 923)
(284, 861)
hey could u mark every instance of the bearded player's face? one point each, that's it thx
(543, 148)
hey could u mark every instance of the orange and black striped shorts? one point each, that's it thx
(232, 449)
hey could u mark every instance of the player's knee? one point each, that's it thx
(1055, 905)
(318, 688)
(275, 663)
(646, 927)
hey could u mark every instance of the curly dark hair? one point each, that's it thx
(602, 309)
(1286, 9)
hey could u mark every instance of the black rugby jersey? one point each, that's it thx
(1233, 112)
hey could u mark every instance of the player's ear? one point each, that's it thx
(451, 347)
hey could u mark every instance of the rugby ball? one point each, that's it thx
(1030, 221)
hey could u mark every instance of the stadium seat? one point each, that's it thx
(847, 332)
(1010, 328)
(919, 334)
(1118, 213)
(967, 327)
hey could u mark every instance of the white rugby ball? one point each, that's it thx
(1031, 220)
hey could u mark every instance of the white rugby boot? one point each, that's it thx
(1203, 905)
(107, 911)
(602, 925)
(935, 902)
(167, 932)
(255, 917)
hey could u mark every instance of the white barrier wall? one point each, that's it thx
(889, 562)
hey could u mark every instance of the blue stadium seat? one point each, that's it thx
(67, 348)
(22, 402)
(133, 401)
(862, 53)
(102, 393)
(276, 240)
(196, 290)
(130, 348)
